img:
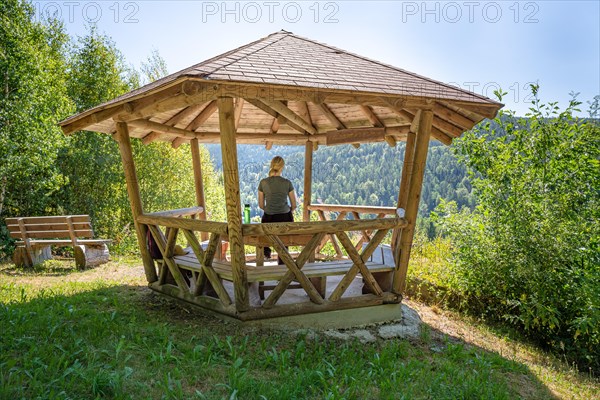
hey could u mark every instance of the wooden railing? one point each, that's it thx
(191, 281)
(180, 212)
(173, 222)
(335, 229)
(343, 211)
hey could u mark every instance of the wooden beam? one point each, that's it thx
(184, 223)
(414, 125)
(185, 113)
(474, 117)
(352, 208)
(306, 254)
(351, 274)
(308, 161)
(413, 199)
(274, 92)
(435, 132)
(289, 262)
(390, 140)
(407, 170)
(291, 116)
(368, 111)
(179, 212)
(181, 96)
(262, 106)
(304, 113)
(239, 106)
(368, 278)
(91, 119)
(444, 126)
(407, 166)
(253, 138)
(307, 228)
(402, 113)
(356, 135)
(198, 184)
(133, 189)
(151, 137)
(178, 141)
(486, 111)
(274, 125)
(232, 202)
(203, 116)
(364, 135)
(330, 115)
(162, 128)
(452, 116)
(441, 136)
(280, 118)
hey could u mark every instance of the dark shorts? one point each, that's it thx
(266, 218)
(285, 217)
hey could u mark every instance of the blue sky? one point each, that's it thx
(477, 45)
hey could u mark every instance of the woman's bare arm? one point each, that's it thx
(292, 196)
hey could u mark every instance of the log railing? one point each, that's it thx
(173, 222)
(337, 230)
(192, 282)
(343, 211)
(180, 212)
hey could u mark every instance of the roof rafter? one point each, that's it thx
(326, 111)
(262, 106)
(290, 115)
(368, 111)
(202, 116)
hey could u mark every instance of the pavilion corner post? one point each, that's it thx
(198, 184)
(232, 201)
(133, 190)
(413, 198)
(407, 166)
(308, 162)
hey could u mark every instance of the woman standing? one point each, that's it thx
(273, 195)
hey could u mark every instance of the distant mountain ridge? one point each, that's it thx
(369, 175)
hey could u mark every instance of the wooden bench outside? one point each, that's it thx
(37, 234)
(316, 271)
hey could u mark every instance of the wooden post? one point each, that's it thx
(308, 161)
(232, 202)
(133, 189)
(407, 167)
(409, 155)
(413, 199)
(199, 185)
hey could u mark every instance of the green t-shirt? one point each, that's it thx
(276, 190)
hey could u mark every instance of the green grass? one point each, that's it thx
(101, 333)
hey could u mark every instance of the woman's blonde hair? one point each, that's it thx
(277, 165)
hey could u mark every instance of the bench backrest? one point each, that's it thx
(71, 227)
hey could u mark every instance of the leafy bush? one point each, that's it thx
(529, 251)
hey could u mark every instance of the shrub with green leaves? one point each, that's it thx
(530, 251)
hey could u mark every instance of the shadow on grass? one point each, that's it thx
(58, 266)
(121, 341)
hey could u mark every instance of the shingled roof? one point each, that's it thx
(287, 87)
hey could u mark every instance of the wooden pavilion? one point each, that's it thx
(288, 90)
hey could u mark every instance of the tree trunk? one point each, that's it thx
(89, 256)
(40, 254)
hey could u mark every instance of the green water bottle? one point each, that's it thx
(246, 213)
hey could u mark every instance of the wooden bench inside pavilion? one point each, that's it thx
(284, 90)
